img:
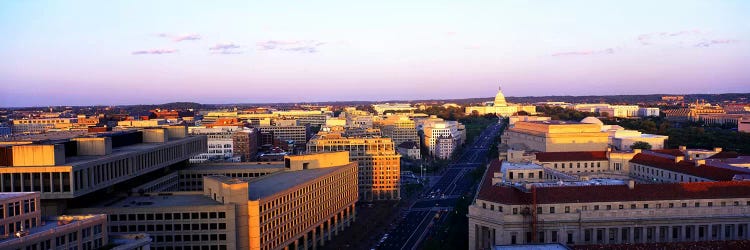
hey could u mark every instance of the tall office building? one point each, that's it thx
(379, 164)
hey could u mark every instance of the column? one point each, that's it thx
(322, 235)
(330, 229)
(304, 241)
(336, 224)
(314, 239)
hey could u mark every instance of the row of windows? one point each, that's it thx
(11, 209)
(203, 247)
(39, 182)
(168, 227)
(578, 165)
(567, 209)
(168, 216)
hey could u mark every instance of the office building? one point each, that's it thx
(68, 169)
(555, 136)
(394, 107)
(220, 143)
(399, 128)
(409, 149)
(379, 164)
(41, 125)
(303, 204)
(23, 227)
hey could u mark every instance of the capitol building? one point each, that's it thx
(500, 107)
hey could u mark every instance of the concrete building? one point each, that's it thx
(399, 128)
(693, 112)
(555, 136)
(622, 139)
(721, 119)
(305, 117)
(23, 227)
(290, 130)
(525, 118)
(620, 111)
(398, 107)
(219, 142)
(500, 107)
(646, 112)
(246, 143)
(410, 150)
(379, 164)
(305, 203)
(36, 126)
(442, 134)
(607, 214)
(68, 169)
(743, 125)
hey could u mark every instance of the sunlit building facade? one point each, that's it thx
(379, 163)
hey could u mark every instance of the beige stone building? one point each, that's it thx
(555, 136)
(23, 227)
(305, 203)
(607, 214)
(379, 164)
(71, 168)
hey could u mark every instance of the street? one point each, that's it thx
(431, 208)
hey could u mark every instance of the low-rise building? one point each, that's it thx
(410, 150)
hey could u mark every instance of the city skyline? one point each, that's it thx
(95, 53)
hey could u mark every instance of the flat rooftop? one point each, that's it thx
(12, 195)
(238, 165)
(277, 182)
(519, 166)
(192, 199)
(550, 246)
(124, 150)
(49, 226)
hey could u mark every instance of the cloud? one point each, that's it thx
(586, 52)
(154, 52)
(180, 38)
(303, 46)
(668, 37)
(710, 43)
(225, 48)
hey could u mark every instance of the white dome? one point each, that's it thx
(500, 99)
(592, 120)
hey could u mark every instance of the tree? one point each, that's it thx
(641, 145)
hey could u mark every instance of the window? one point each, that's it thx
(567, 209)
(710, 204)
(596, 207)
(552, 210)
(697, 204)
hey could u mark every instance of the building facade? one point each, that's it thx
(379, 164)
(607, 214)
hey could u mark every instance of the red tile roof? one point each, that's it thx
(611, 193)
(686, 167)
(672, 152)
(571, 156)
(725, 155)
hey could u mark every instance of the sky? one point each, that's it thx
(150, 52)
